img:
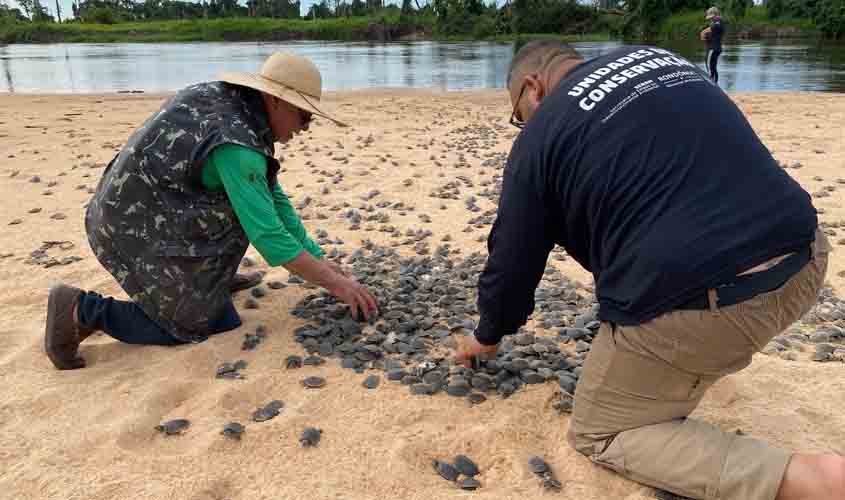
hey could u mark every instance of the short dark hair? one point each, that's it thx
(536, 55)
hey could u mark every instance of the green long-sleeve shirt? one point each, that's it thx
(268, 218)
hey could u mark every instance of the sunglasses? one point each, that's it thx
(518, 122)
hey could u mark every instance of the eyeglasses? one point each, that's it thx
(518, 122)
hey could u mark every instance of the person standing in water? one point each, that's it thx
(713, 36)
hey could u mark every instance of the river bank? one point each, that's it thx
(680, 26)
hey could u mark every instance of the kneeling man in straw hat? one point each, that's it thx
(177, 208)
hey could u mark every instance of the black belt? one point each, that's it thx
(742, 288)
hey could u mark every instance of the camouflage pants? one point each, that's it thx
(183, 294)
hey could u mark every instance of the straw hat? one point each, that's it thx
(289, 77)
(713, 12)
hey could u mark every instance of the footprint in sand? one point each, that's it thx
(219, 489)
(140, 435)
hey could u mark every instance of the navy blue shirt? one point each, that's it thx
(651, 178)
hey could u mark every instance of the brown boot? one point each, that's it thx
(63, 332)
(243, 281)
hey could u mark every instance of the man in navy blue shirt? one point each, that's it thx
(700, 255)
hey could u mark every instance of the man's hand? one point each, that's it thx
(339, 269)
(469, 347)
(359, 299)
(337, 281)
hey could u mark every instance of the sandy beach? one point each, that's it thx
(89, 433)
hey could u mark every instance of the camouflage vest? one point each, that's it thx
(172, 245)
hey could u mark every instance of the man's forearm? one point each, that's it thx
(518, 247)
(312, 270)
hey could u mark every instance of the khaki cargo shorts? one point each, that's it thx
(640, 383)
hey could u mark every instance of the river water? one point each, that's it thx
(101, 68)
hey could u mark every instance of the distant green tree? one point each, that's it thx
(551, 16)
(775, 8)
(644, 17)
(737, 8)
(320, 10)
(802, 9)
(35, 10)
(830, 18)
(8, 14)
(286, 9)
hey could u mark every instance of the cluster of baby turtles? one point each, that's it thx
(428, 302)
(462, 471)
(823, 327)
(462, 465)
(309, 437)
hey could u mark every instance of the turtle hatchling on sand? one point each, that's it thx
(310, 436)
(446, 470)
(314, 382)
(665, 495)
(276, 285)
(466, 466)
(233, 430)
(539, 467)
(371, 382)
(469, 484)
(313, 361)
(172, 427)
(293, 361)
(269, 411)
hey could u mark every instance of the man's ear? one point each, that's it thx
(535, 91)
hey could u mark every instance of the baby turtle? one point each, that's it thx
(564, 404)
(458, 390)
(550, 483)
(233, 430)
(313, 361)
(538, 465)
(446, 470)
(476, 398)
(172, 427)
(310, 436)
(293, 361)
(276, 404)
(371, 382)
(314, 382)
(665, 495)
(269, 411)
(227, 370)
(258, 292)
(466, 466)
(469, 484)
(422, 389)
(276, 285)
(251, 303)
(250, 342)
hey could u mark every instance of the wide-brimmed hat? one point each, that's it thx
(713, 12)
(290, 77)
